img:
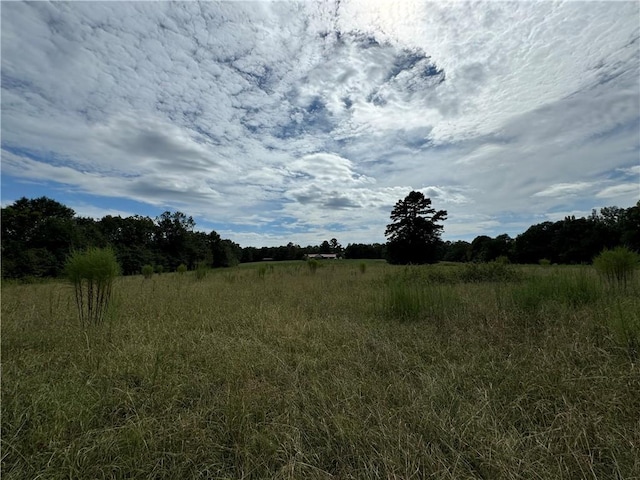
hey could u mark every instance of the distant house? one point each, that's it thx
(321, 256)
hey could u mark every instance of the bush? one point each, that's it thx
(362, 267)
(92, 273)
(159, 269)
(617, 267)
(147, 271)
(503, 260)
(201, 270)
(545, 262)
(182, 269)
(313, 265)
(487, 272)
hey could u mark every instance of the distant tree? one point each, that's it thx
(364, 250)
(223, 253)
(480, 248)
(535, 244)
(132, 239)
(335, 246)
(487, 249)
(250, 254)
(414, 234)
(458, 251)
(325, 247)
(87, 233)
(37, 236)
(630, 228)
(579, 240)
(172, 236)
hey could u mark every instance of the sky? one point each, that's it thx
(277, 122)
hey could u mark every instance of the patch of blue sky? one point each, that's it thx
(14, 188)
(336, 227)
(625, 173)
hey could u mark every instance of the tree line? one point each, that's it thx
(39, 234)
(568, 241)
(414, 237)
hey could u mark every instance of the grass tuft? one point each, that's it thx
(617, 267)
(147, 271)
(92, 272)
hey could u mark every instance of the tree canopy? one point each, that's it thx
(414, 234)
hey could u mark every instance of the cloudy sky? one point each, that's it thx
(287, 121)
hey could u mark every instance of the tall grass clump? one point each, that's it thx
(182, 269)
(262, 271)
(488, 272)
(147, 271)
(571, 288)
(409, 300)
(362, 267)
(201, 270)
(617, 267)
(626, 325)
(92, 273)
(313, 265)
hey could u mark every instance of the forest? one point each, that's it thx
(38, 235)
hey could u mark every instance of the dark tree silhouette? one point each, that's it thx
(414, 234)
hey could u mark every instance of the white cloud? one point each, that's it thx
(563, 189)
(622, 190)
(321, 116)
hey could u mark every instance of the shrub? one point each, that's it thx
(182, 269)
(159, 269)
(201, 270)
(545, 262)
(92, 273)
(617, 267)
(362, 267)
(147, 271)
(487, 272)
(313, 265)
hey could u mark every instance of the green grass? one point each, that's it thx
(289, 374)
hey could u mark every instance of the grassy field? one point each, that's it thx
(358, 370)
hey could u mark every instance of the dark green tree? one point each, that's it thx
(335, 246)
(487, 249)
(458, 251)
(172, 238)
(325, 247)
(132, 239)
(414, 234)
(37, 236)
(364, 250)
(630, 227)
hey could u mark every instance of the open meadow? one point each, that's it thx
(352, 369)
